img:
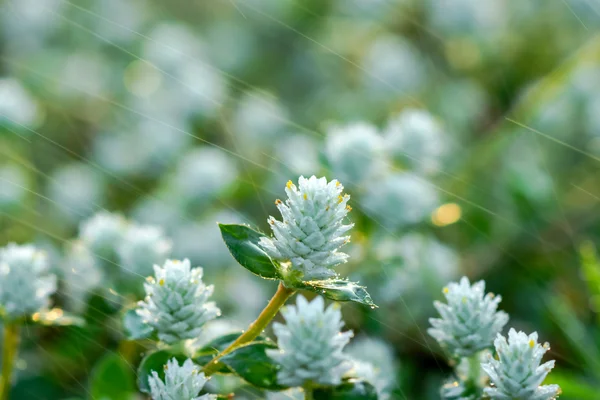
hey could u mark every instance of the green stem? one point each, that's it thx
(10, 348)
(473, 380)
(255, 328)
(308, 392)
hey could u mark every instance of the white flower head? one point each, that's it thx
(176, 303)
(374, 362)
(182, 382)
(311, 344)
(81, 274)
(517, 373)
(25, 282)
(470, 321)
(312, 229)
(142, 247)
(103, 232)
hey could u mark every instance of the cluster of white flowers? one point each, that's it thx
(102, 233)
(176, 304)
(470, 321)
(312, 229)
(517, 373)
(141, 247)
(182, 382)
(25, 281)
(311, 344)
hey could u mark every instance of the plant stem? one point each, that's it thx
(308, 392)
(10, 348)
(255, 327)
(473, 380)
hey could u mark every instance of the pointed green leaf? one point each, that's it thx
(339, 290)
(350, 390)
(155, 361)
(135, 328)
(251, 363)
(242, 242)
(113, 378)
(57, 317)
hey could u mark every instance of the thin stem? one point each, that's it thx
(474, 378)
(10, 348)
(308, 392)
(255, 328)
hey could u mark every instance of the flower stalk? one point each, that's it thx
(255, 328)
(10, 348)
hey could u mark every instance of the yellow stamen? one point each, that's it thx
(348, 208)
(289, 184)
(305, 196)
(277, 202)
(340, 199)
(531, 343)
(161, 282)
(446, 290)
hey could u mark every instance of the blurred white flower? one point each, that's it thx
(172, 45)
(312, 230)
(355, 152)
(182, 382)
(125, 18)
(311, 344)
(18, 108)
(25, 283)
(142, 247)
(374, 362)
(399, 199)
(517, 373)
(81, 275)
(468, 17)
(103, 233)
(13, 186)
(417, 138)
(290, 394)
(176, 304)
(27, 23)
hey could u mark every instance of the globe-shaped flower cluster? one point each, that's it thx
(311, 344)
(176, 303)
(182, 382)
(103, 232)
(141, 247)
(517, 373)
(25, 282)
(470, 321)
(312, 229)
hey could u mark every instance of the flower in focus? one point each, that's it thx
(182, 382)
(312, 229)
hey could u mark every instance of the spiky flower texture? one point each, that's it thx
(312, 230)
(181, 382)
(470, 321)
(311, 344)
(517, 373)
(25, 282)
(176, 303)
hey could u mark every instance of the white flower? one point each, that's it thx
(312, 229)
(102, 233)
(181, 382)
(517, 373)
(399, 199)
(469, 321)
(25, 283)
(355, 152)
(176, 303)
(311, 344)
(81, 274)
(13, 186)
(374, 362)
(417, 138)
(456, 390)
(141, 247)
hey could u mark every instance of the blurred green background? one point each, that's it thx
(467, 133)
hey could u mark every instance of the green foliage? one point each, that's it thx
(251, 363)
(350, 390)
(113, 379)
(155, 361)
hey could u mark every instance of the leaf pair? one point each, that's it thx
(242, 242)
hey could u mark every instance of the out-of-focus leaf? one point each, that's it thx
(134, 326)
(573, 387)
(339, 290)
(242, 242)
(350, 390)
(155, 361)
(112, 379)
(251, 363)
(56, 317)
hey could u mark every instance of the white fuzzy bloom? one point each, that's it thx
(417, 138)
(103, 232)
(517, 373)
(25, 282)
(469, 321)
(311, 344)
(176, 303)
(312, 229)
(374, 362)
(142, 247)
(182, 382)
(81, 274)
(399, 199)
(355, 152)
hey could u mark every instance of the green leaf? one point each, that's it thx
(134, 327)
(113, 379)
(338, 290)
(57, 317)
(242, 242)
(155, 361)
(251, 363)
(350, 390)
